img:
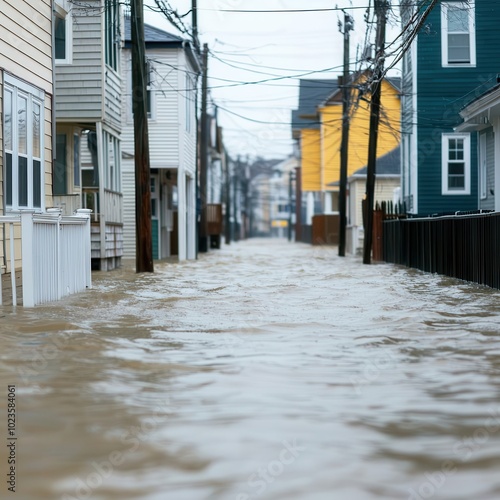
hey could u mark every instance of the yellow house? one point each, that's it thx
(330, 117)
(306, 131)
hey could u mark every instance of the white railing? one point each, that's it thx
(55, 254)
(69, 203)
(113, 210)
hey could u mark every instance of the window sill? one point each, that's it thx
(460, 65)
(455, 193)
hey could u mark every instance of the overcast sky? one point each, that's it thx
(250, 47)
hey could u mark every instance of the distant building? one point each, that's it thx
(387, 185)
(317, 127)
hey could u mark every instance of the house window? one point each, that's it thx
(63, 32)
(458, 35)
(59, 176)
(456, 164)
(112, 33)
(23, 107)
(111, 166)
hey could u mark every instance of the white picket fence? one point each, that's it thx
(55, 254)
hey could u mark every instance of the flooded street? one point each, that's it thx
(266, 370)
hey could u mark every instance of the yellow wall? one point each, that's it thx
(331, 133)
(310, 144)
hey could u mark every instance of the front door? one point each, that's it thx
(155, 222)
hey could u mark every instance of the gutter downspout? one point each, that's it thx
(54, 117)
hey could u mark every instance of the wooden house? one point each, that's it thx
(173, 68)
(88, 107)
(451, 61)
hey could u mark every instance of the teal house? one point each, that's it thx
(451, 62)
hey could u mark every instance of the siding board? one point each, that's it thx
(79, 86)
(26, 41)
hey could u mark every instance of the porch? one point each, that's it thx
(106, 227)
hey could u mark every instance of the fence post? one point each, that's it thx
(27, 259)
(56, 213)
(84, 213)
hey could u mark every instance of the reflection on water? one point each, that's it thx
(265, 370)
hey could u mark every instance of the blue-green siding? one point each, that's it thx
(442, 93)
(155, 236)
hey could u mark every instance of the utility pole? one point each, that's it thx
(236, 181)
(203, 243)
(290, 207)
(344, 146)
(381, 12)
(298, 204)
(248, 218)
(194, 13)
(227, 191)
(144, 242)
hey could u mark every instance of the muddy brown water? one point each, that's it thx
(266, 370)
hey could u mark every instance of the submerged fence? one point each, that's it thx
(52, 251)
(462, 246)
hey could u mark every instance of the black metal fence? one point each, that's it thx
(464, 246)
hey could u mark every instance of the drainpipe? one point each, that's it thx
(54, 118)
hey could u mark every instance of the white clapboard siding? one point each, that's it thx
(128, 191)
(384, 191)
(26, 41)
(79, 86)
(163, 127)
(187, 138)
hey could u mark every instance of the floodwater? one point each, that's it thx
(265, 370)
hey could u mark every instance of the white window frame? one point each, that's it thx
(445, 189)
(62, 10)
(111, 26)
(483, 166)
(470, 7)
(33, 95)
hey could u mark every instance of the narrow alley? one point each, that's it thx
(263, 371)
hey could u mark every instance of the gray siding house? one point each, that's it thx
(88, 117)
